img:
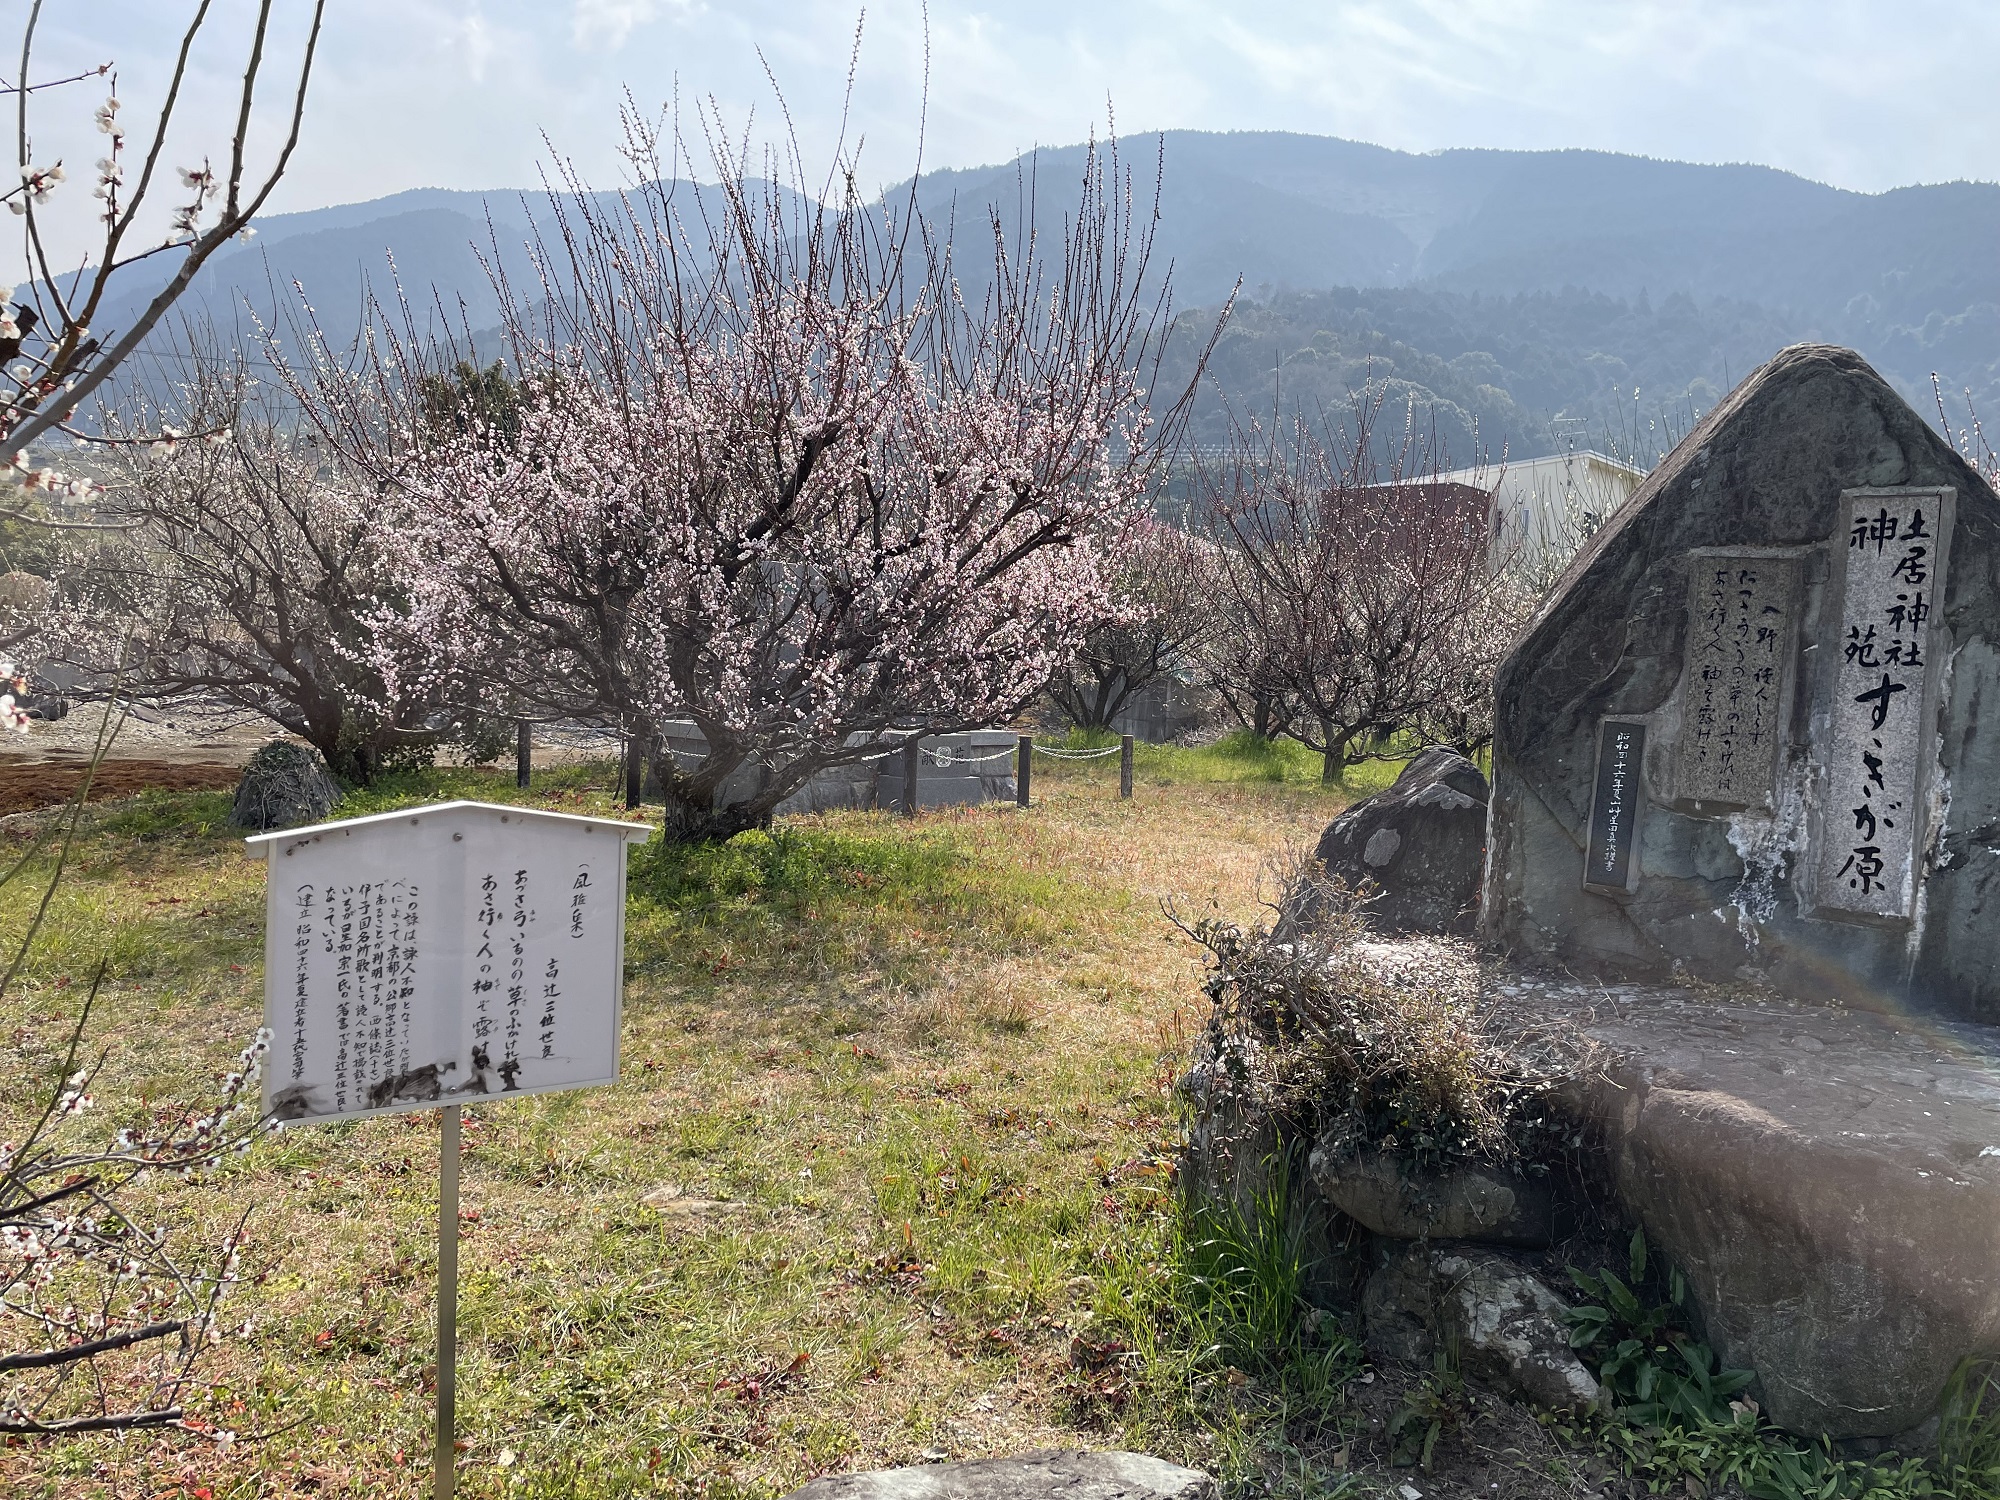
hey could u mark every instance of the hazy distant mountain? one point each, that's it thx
(1523, 293)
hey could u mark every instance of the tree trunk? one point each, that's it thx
(689, 814)
(688, 821)
(635, 754)
(1333, 764)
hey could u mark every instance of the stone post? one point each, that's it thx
(1125, 768)
(912, 761)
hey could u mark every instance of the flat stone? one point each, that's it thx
(1835, 1206)
(1056, 1474)
(1488, 1204)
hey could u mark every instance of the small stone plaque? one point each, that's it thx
(1889, 573)
(1615, 807)
(1742, 626)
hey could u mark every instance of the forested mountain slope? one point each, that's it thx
(1521, 297)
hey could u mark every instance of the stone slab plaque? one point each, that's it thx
(1615, 806)
(1743, 610)
(1890, 570)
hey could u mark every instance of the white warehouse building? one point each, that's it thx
(1542, 509)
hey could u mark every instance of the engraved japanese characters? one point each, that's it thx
(1742, 634)
(1614, 811)
(1888, 576)
(454, 951)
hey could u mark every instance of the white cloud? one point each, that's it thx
(608, 23)
(478, 45)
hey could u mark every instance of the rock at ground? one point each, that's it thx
(285, 785)
(1234, 1139)
(1474, 1202)
(1419, 847)
(1052, 1475)
(1828, 1181)
(1504, 1323)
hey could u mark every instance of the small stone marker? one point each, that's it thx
(1755, 737)
(1621, 749)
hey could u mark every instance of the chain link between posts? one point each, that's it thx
(1078, 754)
(944, 756)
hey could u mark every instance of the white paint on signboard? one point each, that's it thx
(448, 952)
(1888, 574)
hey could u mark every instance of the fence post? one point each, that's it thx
(635, 762)
(912, 758)
(1024, 768)
(1125, 768)
(524, 754)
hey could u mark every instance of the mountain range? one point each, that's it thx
(1525, 300)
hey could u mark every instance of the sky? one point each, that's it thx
(462, 93)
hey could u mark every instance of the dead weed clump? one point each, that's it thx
(1367, 1044)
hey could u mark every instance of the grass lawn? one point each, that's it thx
(884, 1178)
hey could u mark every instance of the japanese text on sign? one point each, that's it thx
(1621, 751)
(1893, 547)
(1741, 616)
(460, 951)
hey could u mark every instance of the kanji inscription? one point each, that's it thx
(1742, 625)
(1871, 820)
(454, 951)
(1614, 811)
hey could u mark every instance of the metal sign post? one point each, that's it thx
(430, 958)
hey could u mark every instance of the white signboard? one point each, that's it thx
(442, 953)
(1891, 554)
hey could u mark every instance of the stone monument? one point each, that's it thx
(1746, 737)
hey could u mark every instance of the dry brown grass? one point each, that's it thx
(898, 1135)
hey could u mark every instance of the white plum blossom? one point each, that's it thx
(63, 1228)
(807, 497)
(37, 183)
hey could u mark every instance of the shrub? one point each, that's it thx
(1373, 1048)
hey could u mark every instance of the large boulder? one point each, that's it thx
(284, 786)
(1418, 848)
(1827, 1180)
(1725, 886)
(1049, 1475)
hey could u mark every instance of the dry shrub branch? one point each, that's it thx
(1372, 1046)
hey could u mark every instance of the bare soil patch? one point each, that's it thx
(29, 784)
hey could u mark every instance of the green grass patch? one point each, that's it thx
(1239, 758)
